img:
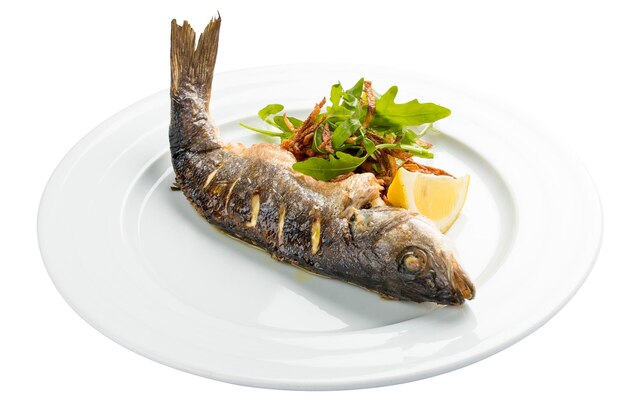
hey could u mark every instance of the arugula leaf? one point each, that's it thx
(357, 89)
(352, 97)
(317, 142)
(327, 169)
(338, 114)
(280, 123)
(369, 145)
(336, 91)
(408, 136)
(413, 149)
(412, 113)
(417, 151)
(270, 109)
(271, 133)
(277, 121)
(344, 131)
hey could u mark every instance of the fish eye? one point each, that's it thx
(413, 261)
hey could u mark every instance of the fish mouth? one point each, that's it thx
(460, 282)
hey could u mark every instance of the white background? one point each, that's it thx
(67, 66)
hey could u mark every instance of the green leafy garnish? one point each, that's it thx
(336, 91)
(359, 130)
(326, 169)
(270, 109)
(262, 131)
(343, 131)
(412, 149)
(413, 113)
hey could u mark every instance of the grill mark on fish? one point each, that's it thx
(230, 191)
(254, 210)
(342, 229)
(281, 223)
(209, 178)
(315, 233)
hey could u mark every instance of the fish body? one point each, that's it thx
(339, 229)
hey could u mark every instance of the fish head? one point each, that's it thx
(415, 260)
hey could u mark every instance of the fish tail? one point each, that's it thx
(192, 67)
(191, 63)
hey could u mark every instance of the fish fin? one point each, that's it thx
(193, 63)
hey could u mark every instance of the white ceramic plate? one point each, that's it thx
(134, 259)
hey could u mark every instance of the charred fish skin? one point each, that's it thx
(342, 230)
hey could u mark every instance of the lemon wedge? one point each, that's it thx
(438, 197)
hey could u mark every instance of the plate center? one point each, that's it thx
(230, 280)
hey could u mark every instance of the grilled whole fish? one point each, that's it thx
(339, 229)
